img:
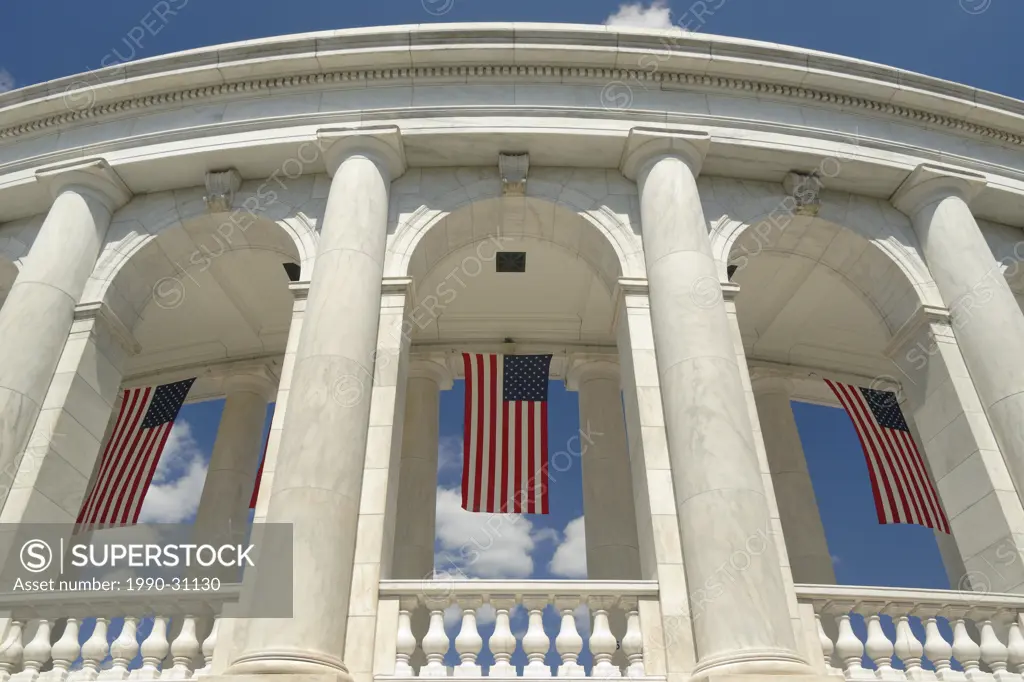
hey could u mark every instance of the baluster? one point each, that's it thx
(11, 651)
(502, 642)
(1015, 646)
(535, 642)
(153, 649)
(850, 649)
(994, 653)
(602, 642)
(63, 653)
(405, 640)
(184, 650)
(123, 651)
(36, 654)
(94, 652)
(909, 650)
(468, 642)
(435, 643)
(568, 643)
(939, 651)
(966, 650)
(827, 647)
(633, 641)
(209, 647)
(877, 645)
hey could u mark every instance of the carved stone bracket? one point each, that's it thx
(514, 169)
(220, 189)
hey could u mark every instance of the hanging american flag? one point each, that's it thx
(131, 455)
(902, 487)
(259, 476)
(505, 463)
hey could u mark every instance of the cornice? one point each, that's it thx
(547, 73)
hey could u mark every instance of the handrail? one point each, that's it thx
(85, 604)
(441, 585)
(866, 594)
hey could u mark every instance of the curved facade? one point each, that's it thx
(710, 225)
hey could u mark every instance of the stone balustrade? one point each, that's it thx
(180, 643)
(910, 634)
(614, 645)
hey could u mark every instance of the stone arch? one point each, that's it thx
(607, 239)
(166, 237)
(864, 241)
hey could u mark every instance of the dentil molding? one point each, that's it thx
(361, 78)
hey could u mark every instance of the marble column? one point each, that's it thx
(36, 318)
(738, 601)
(224, 505)
(986, 319)
(809, 558)
(55, 470)
(609, 515)
(417, 480)
(319, 472)
(975, 486)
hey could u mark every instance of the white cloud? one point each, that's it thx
(449, 453)
(477, 545)
(178, 481)
(634, 14)
(570, 559)
(6, 80)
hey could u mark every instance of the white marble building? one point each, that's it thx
(711, 226)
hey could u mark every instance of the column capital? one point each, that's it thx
(765, 381)
(300, 290)
(583, 367)
(94, 177)
(381, 143)
(101, 312)
(433, 368)
(930, 182)
(644, 144)
(256, 379)
(924, 315)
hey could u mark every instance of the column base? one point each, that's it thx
(309, 666)
(749, 663)
(769, 677)
(291, 677)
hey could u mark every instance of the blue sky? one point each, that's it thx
(970, 41)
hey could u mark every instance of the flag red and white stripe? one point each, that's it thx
(130, 458)
(902, 487)
(259, 476)
(505, 442)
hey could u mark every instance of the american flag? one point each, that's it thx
(259, 476)
(506, 436)
(130, 458)
(902, 487)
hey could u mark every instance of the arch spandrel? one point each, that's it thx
(1007, 245)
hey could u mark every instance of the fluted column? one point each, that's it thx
(37, 315)
(609, 515)
(224, 505)
(417, 481)
(986, 319)
(809, 558)
(318, 478)
(739, 605)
